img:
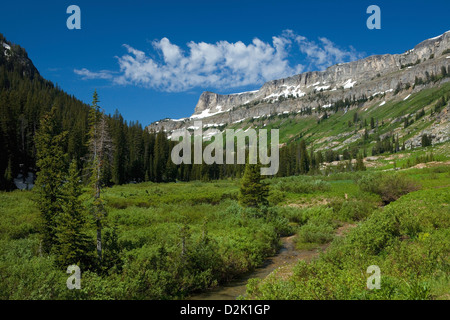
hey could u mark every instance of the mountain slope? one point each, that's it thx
(14, 57)
(26, 97)
(382, 81)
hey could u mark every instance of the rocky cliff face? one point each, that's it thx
(375, 75)
(14, 56)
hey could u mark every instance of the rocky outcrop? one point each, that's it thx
(372, 76)
(14, 56)
(439, 131)
(219, 103)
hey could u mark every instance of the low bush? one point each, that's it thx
(319, 228)
(319, 232)
(275, 197)
(356, 210)
(389, 186)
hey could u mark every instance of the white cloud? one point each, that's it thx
(221, 64)
(87, 75)
(326, 53)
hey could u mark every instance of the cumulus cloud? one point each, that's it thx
(221, 64)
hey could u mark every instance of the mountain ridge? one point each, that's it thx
(371, 76)
(15, 57)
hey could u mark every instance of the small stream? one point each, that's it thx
(231, 290)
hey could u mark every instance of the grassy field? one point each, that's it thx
(176, 239)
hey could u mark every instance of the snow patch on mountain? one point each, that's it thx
(314, 84)
(294, 91)
(8, 49)
(349, 84)
(254, 91)
(207, 113)
(382, 92)
(322, 88)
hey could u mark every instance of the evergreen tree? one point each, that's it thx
(101, 149)
(319, 157)
(304, 162)
(366, 134)
(171, 171)
(161, 155)
(440, 104)
(120, 155)
(51, 161)
(360, 163)
(112, 250)
(73, 245)
(253, 192)
(426, 140)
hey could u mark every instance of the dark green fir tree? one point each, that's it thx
(253, 192)
(51, 161)
(73, 245)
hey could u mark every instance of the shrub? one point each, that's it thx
(376, 233)
(320, 226)
(275, 197)
(279, 222)
(316, 231)
(389, 186)
(355, 210)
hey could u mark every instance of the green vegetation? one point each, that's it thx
(408, 239)
(51, 162)
(153, 240)
(253, 192)
(165, 241)
(167, 248)
(342, 124)
(388, 187)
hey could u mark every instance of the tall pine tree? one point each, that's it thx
(51, 161)
(100, 146)
(304, 162)
(73, 245)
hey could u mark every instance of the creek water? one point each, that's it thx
(287, 254)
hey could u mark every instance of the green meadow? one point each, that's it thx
(173, 240)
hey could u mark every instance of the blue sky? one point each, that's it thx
(153, 59)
